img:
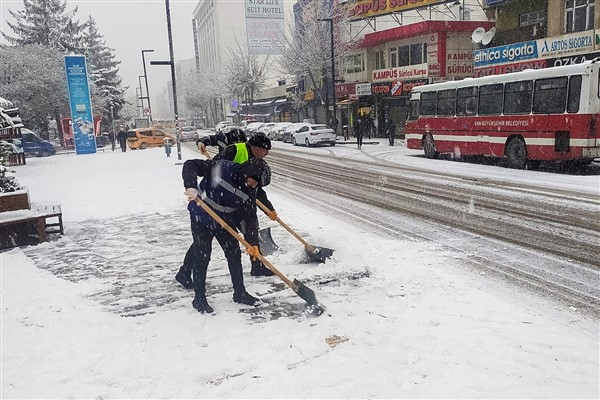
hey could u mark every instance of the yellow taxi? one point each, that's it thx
(142, 138)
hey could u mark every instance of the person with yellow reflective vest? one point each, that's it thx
(258, 146)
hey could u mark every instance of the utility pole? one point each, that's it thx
(171, 62)
(333, 107)
(146, 80)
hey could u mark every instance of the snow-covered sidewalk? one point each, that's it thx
(97, 312)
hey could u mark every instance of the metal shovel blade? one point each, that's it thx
(319, 254)
(267, 245)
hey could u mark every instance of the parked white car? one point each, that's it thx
(222, 125)
(289, 131)
(266, 128)
(276, 131)
(314, 134)
(253, 127)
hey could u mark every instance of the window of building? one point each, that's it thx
(532, 18)
(379, 60)
(579, 15)
(517, 97)
(424, 52)
(416, 54)
(550, 95)
(393, 57)
(403, 56)
(490, 99)
(354, 64)
(446, 102)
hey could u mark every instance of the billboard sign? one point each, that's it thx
(506, 54)
(80, 105)
(360, 9)
(265, 26)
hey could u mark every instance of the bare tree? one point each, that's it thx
(202, 93)
(307, 51)
(244, 74)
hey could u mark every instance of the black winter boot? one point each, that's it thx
(201, 305)
(184, 276)
(245, 298)
(258, 269)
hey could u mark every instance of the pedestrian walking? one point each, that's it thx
(368, 126)
(122, 138)
(390, 130)
(229, 189)
(359, 131)
(345, 127)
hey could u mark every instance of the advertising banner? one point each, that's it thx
(80, 104)
(409, 72)
(360, 9)
(505, 54)
(265, 26)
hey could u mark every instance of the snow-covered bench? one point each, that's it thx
(17, 226)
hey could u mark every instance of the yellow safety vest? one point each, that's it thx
(241, 155)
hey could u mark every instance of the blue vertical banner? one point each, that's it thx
(81, 105)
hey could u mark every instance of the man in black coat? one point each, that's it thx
(122, 138)
(229, 189)
(390, 129)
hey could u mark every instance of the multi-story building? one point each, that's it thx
(219, 27)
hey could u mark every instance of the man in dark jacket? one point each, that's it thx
(390, 129)
(229, 189)
(221, 139)
(122, 138)
(258, 146)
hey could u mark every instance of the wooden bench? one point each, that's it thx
(30, 226)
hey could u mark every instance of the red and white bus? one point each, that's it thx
(528, 116)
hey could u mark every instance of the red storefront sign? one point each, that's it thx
(345, 89)
(395, 88)
(506, 68)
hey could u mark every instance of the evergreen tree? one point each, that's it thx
(103, 72)
(46, 23)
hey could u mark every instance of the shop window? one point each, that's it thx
(424, 52)
(466, 101)
(532, 18)
(490, 99)
(379, 60)
(354, 64)
(393, 57)
(550, 95)
(517, 97)
(579, 15)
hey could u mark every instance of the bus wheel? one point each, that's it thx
(429, 147)
(516, 153)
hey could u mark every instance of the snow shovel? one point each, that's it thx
(265, 240)
(319, 254)
(301, 290)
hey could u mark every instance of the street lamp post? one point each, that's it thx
(142, 97)
(171, 62)
(146, 80)
(330, 20)
(112, 123)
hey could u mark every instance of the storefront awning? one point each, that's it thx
(346, 102)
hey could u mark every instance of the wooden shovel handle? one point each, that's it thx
(308, 246)
(236, 235)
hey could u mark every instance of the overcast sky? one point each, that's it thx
(128, 26)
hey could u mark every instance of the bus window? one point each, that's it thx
(428, 103)
(574, 94)
(550, 95)
(490, 99)
(446, 102)
(517, 97)
(466, 102)
(414, 109)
